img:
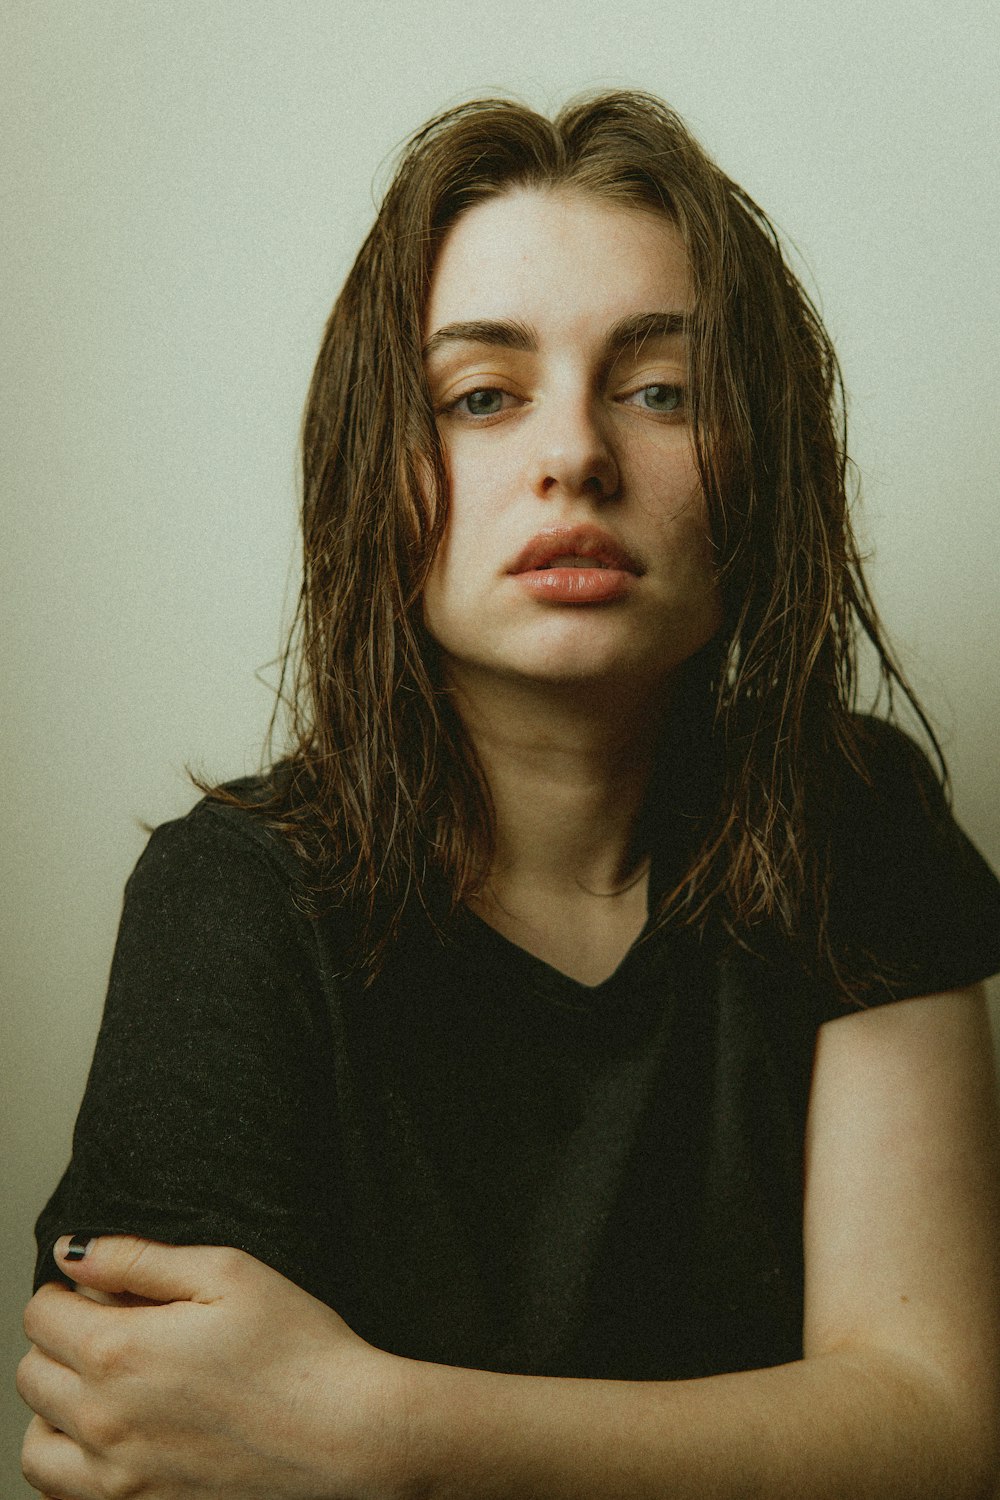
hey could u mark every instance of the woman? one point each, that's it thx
(496, 1030)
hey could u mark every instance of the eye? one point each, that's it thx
(664, 400)
(486, 401)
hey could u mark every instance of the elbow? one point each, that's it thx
(939, 1421)
(955, 1416)
(979, 1437)
(970, 1399)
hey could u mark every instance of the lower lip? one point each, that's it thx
(576, 585)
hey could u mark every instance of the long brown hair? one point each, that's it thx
(382, 789)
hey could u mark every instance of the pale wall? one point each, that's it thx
(184, 184)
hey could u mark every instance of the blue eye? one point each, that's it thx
(482, 403)
(663, 399)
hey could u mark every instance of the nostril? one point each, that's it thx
(599, 484)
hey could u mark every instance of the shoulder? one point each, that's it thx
(888, 796)
(221, 874)
(233, 834)
(893, 805)
(910, 893)
(241, 878)
(892, 764)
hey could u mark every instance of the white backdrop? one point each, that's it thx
(184, 183)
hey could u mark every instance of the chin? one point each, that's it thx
(618, 658)
(596, 669)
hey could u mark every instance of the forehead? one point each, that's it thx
(554, 256)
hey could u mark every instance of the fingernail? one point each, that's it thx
(77, 1248)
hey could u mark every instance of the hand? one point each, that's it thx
(207, 1375)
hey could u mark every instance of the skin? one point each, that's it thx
(240, 1386)
(560, 436)
(231, 1382)
(564, 703)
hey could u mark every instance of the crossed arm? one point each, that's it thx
(235, 1383)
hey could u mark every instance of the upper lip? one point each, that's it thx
(574, 541)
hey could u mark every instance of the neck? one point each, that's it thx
(568, 769)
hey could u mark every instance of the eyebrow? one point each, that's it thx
(504, 333)
(498, 333)
(635, 330)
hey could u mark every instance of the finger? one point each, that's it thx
(62, 1324)
(55, 1465)
(114, 1299)
(145, 1268)
(50, 1390)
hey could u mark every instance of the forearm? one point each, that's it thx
(864, 1426)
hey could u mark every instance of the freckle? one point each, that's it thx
(904, 1298)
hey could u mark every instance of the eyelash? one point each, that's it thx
(479, 390)
(483, 418)
(662, 385)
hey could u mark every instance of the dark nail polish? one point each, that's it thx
(78, 1247)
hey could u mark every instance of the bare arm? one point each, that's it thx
(243, 1374)
(897, 1394)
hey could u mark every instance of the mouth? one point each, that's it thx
(575, 547)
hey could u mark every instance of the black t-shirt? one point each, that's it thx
(477, 1160)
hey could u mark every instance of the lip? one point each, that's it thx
(590, 542)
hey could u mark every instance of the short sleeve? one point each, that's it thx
(208, 1116)
(913, 901)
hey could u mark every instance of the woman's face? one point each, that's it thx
(577, 546)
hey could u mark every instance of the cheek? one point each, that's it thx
(474, 488)
(447, 581)
(440, 571)
(686, 545)
(661, 469)
(683, 525)
(433, 595)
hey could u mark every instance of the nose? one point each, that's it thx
(574, 456)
